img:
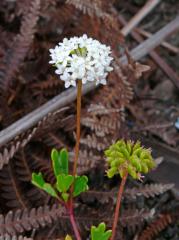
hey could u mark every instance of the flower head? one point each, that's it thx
(128, 156)
(81, 58)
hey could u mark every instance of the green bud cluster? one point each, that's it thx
(127, 156)
(79, 51)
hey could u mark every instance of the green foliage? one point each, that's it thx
(60, 161)
(68, 237)
(128, 156)
(64, 180)
(80, 185)
(38, 181)
(100, 233)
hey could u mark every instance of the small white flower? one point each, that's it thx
(81, 58)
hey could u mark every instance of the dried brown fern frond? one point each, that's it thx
(92, 142)
(102, 125)
(148, 190)
(53, 139)
(9, 150)
(130, 218)
(134, 218)
(20, 44)
(25, 220)
(8, 237)
(155, 227)
(90, 7)
(101, 196)
(15, 186)
(38, 164)
(10, 190)
(87, 160)
(97, 8)
(47, 87)
(20, 141)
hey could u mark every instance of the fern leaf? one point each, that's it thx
(25, 220)
(21, 44)
(148, 190)
(155, 227)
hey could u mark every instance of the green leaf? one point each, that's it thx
(65, 196)
(37, 180)
(59, 161)
(99, 233)
(64, 161)
(49, 189)
(80, 185)
(68, 237)
(64, 182)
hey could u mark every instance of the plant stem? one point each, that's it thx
(78, 120)
(118, 204)
(78, 124)
(73, 223)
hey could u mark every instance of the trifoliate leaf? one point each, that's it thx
(80, 185)
(99, 233)
(59, 161)
(49, 189)
(64, 182)
(37, 180)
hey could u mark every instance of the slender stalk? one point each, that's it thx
(118, 204)
(69, 209)
(73, 223)
(78, 129)
(79, 93)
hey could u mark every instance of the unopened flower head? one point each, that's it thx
(81, 58)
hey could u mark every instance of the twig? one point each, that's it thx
(164, 44)
(162, 64)
(69, 95)
(144, 11)
(151, 43)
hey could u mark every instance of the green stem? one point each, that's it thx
(118, 204)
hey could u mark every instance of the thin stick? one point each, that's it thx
(164, 44)
(78, 126)
(118, 204)
(144, 11)
(161, 63)
(69, 95)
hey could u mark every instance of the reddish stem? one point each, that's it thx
(73, 223)
(118, 204)
(78, 122)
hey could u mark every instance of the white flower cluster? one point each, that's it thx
(81, 58)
